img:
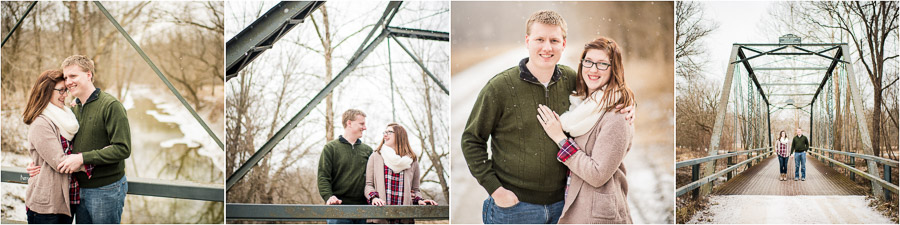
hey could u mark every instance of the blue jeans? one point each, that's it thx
(37, 218)
(799, 164)
(103, 204)
(782, 164)
(345, 221)
(521, 213)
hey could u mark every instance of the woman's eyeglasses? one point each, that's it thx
(61, 91)
(600, 65)
(388, 132)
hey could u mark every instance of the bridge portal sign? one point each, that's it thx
(789, 39)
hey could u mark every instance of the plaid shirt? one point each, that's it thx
(782, 149)
(393, 187)
(393, 183)
(74, 190)
(567, 150)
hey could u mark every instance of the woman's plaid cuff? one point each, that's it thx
(372, 196)
(568, 149)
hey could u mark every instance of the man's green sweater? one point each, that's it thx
(799, 144)
(342, 171)
(103, 139)
(523, 157)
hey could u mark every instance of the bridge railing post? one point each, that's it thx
(695, 175)
(730, 163)
(852, 165)
(749, 156)
(887, 177)
(831, 155)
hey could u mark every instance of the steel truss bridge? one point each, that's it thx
(816, 83)
(262, 35)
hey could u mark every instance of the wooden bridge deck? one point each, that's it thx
(763, 179)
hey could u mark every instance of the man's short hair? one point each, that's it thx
(351, 114)
(86, 64)
(549, 18)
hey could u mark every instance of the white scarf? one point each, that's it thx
(784, 140)
(63, 118)
(582, 114)
(394, 161)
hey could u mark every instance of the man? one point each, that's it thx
(103, 141)
(522, 170)
(342, 166)
(798, 147)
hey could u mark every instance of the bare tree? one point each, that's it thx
(329, 42)
(690, 29)
(879, 23)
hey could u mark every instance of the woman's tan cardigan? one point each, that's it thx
(48, 192)
(375, 181)
(598, 190)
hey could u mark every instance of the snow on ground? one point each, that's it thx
(12, 194)
(732, 209)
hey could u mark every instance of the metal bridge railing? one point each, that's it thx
(280, 212)
(142, 186)
(696, 181)
(819, 153)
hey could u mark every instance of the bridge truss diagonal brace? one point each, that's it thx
(752, 75)
(14, 28)
(421, 64)
(718, 126)
(159, 73)
(260, 35)
(365, 48)
(853, 87)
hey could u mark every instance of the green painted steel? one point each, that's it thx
(18, 23)
(282, 212)
(143, 186)
(422, 65)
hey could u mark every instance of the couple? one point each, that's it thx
(78, 167)
(799, 145)
(537, 173)
(351, 174)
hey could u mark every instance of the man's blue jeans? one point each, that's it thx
(521, 213)
(102, 205)
(799, 164)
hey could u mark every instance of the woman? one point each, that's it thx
(52, 126)
(597, 187)
(392, 174)
(783, 154)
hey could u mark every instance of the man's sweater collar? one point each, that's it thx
(94, 96)
(345, 141)
(526, 74)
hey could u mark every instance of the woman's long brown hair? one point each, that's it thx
(41, 94)
(616, 85)
(402, 141)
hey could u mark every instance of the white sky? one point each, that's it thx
(738, 23)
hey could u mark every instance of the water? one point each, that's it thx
(181, 158)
